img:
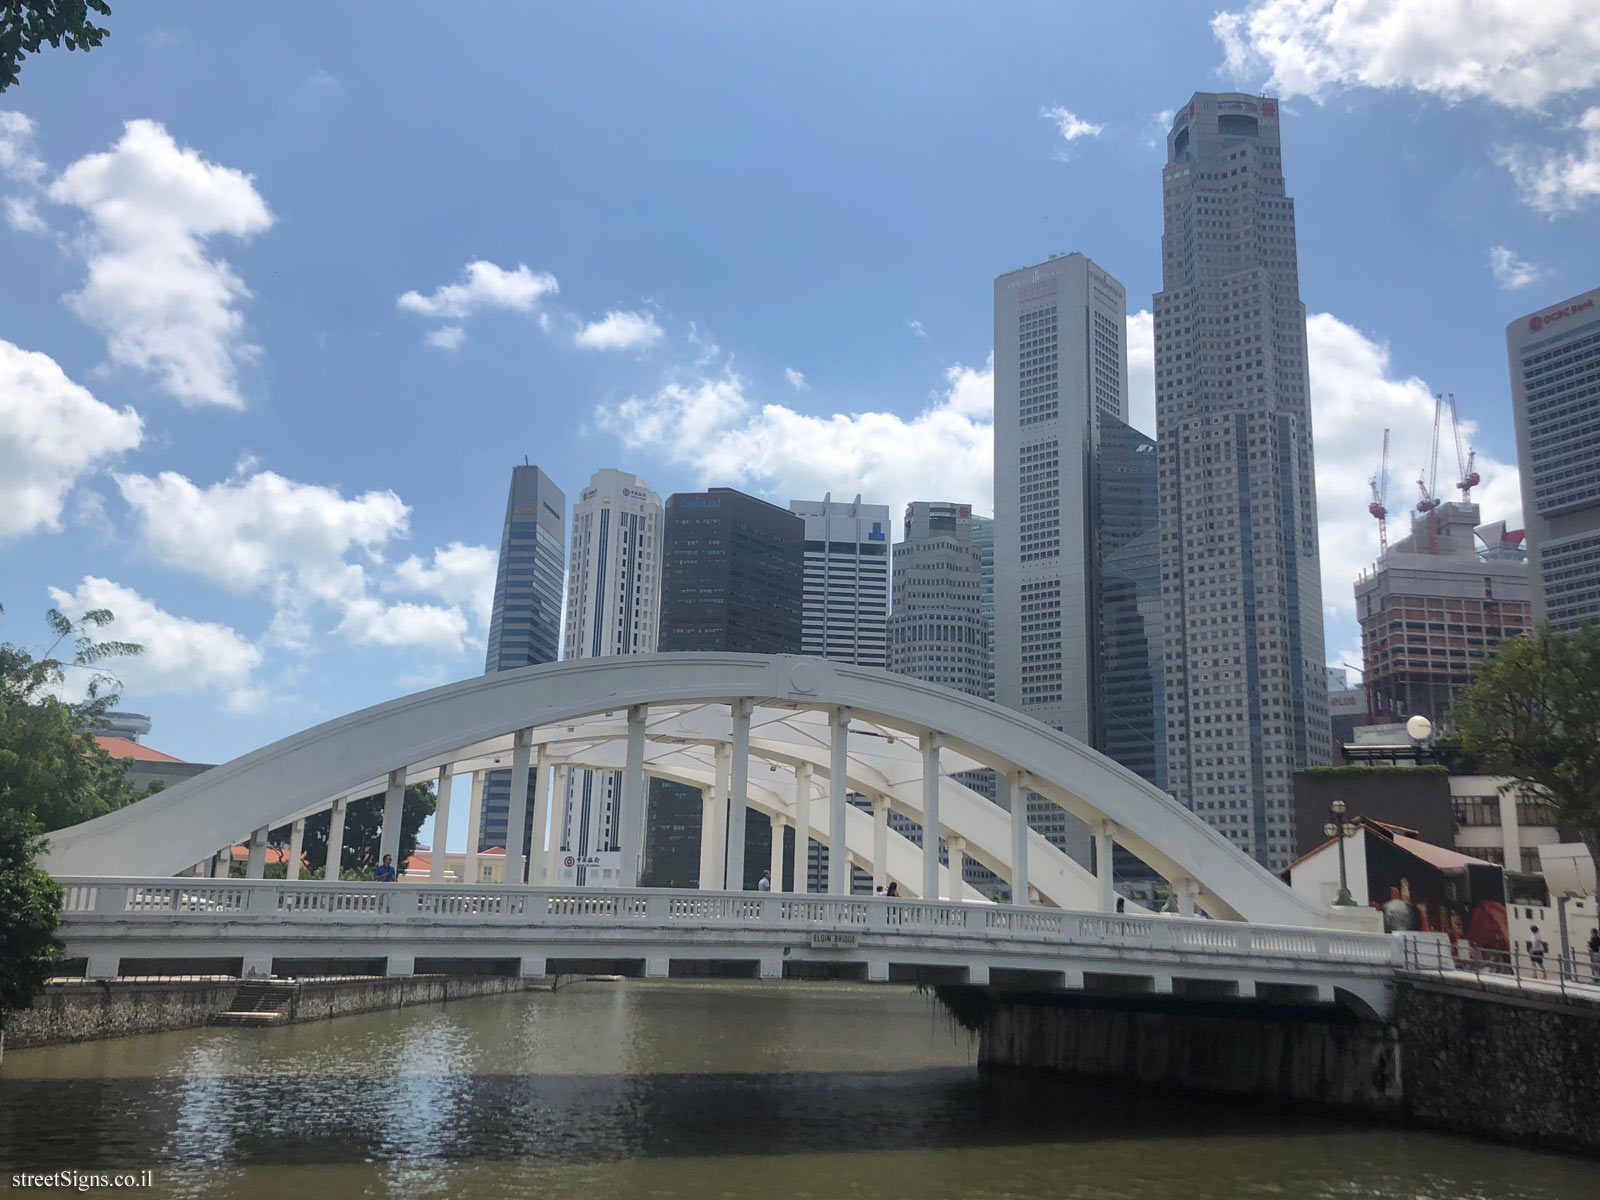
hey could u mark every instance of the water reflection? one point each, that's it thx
(681, 1090)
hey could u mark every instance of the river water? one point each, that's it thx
(700, 1091)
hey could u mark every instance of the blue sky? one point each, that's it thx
(256, 397)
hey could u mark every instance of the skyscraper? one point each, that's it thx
(983, 539)
(845, 613)
(936, 630)
(613, 607)
(1434, 607)
(732, 571)
(1246, 690)
(1555, 397)
(1060, 374)
(525, 625)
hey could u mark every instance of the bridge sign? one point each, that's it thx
(821, 940)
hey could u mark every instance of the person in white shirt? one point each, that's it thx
(764, 884)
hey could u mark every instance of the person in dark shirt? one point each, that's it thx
(386, 873)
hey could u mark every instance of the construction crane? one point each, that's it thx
(1469, 477)
(1380, 493)
(1425, 486)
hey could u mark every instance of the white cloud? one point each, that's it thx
(52, 432)
(18, 160)
(796, 380)
(163, 304)
(916, 329)
(1354, 398)
(1556, 182)
(483, 285)
(1142, 372)
(1515, 53)
(180, 654)
(712, 428)
(460, 575)
(1511, 272)
(22, 214)
(1069, 125)
(311, 550)
(446, 337)
(619, 331)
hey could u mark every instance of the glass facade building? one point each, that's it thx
(732, 574)
(525, 623)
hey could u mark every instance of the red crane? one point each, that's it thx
(1469, 477)
(1380, 493)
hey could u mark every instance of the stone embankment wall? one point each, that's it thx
(1268, 1054)
(1506, 1066)
(78, 1011)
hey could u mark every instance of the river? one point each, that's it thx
(693, 1090)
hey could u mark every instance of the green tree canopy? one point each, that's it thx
(363, 824)
(52, 771)
(25, 25)
(1533, 713)
(30, 906)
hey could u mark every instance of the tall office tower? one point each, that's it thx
(846, 600)
(1434, 607)
(1246, 693)
(1555, 397)
(1060, 373)
(732, 572)
(525, 625)
(983, 539)
(613, 607)
(936, 630)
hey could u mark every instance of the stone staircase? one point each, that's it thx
(259, 1002)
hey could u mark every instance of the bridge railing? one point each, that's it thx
(312, 903)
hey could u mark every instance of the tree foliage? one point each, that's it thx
(30, 906)
(363, 826)
(26, 25)
(1533, 713)
(52, 771)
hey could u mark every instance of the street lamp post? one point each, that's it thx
(1338, 827)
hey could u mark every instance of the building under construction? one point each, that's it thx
(1435, 605)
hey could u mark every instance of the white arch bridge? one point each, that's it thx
(786, 737)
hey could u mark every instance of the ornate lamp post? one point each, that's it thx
(1338, 827)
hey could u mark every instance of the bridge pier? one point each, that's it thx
(657, 966)
(397, 964)
(531, 966)
(771, 966)
(877, 970)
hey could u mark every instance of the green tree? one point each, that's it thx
(25, 25)
(363, 824)
(30, 907)
(52, 771)
(1533, 713)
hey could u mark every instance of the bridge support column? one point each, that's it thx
(394, 800)
(1104, 857)
(880, 841)
(297, 840)
(1247, 989)
(400, 965)
(441, 825)
(709, 845)
(771, 966)
(775, 864)
(877, 970)
(931, 743)
(1161, 985)
(738, 794)
(220, 861)
(558, 824)
(1011, 791)
(256, 864)
(978, 974)
(958, 866)
(538, 859)
(330, 868)
(257, 965)
(1072, 979)
(531, 966)
(1188, 892)
(103, 964)
(721, 774)
(802, 828)
(657, 966)
(517, 810)
(630, 821)
(838, 791)
(469, 861)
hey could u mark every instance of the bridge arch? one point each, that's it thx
(575, 713)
